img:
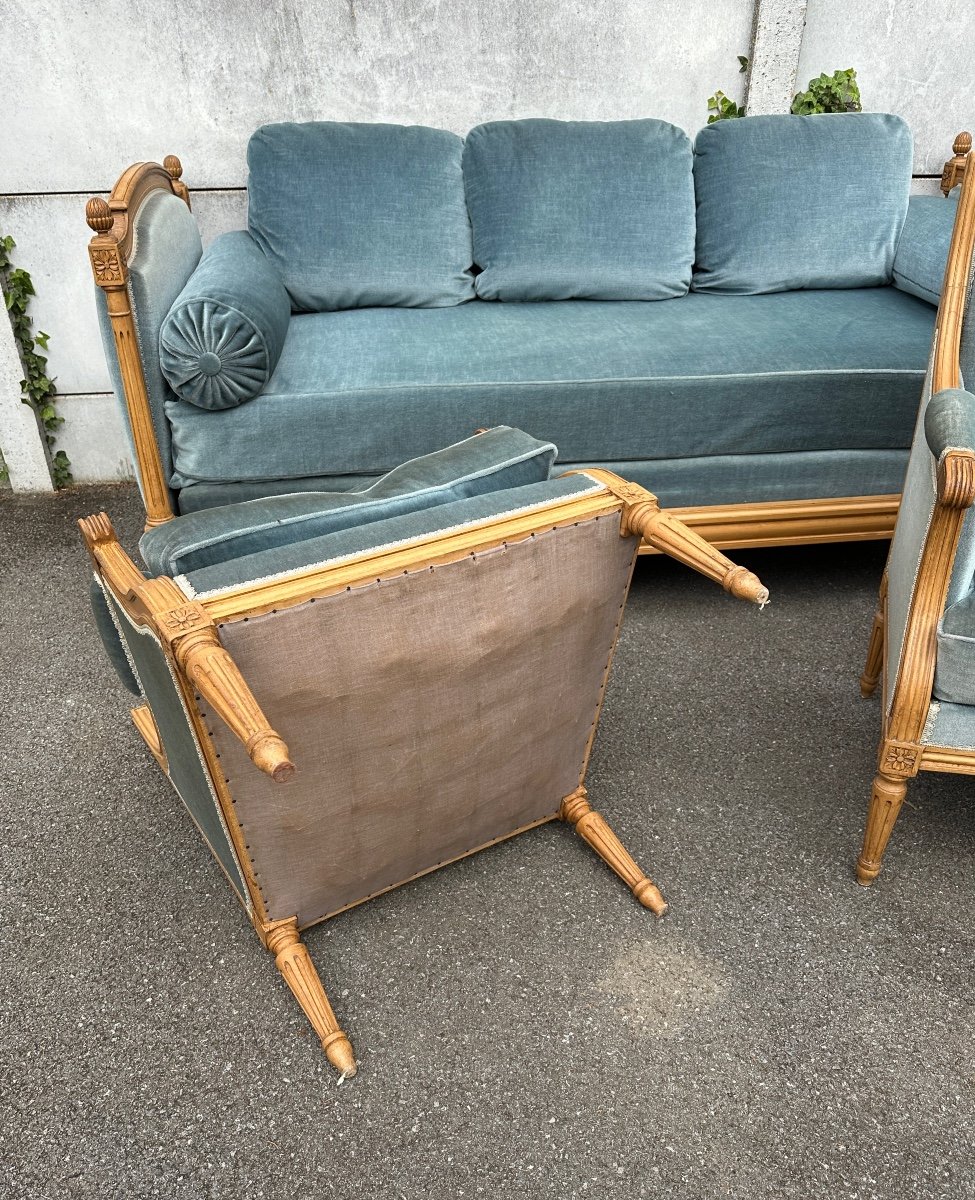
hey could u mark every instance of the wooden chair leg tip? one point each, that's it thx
(649, 896)
(339, 1052)
(867, 872)
(867, 688)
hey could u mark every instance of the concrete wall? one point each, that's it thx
(94, 87)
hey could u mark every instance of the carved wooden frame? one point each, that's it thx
(113, 224)
(187, 633)
(901, 754)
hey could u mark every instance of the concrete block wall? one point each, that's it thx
(96, 87)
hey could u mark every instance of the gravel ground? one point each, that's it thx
(524, 1028)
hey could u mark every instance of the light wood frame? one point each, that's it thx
(209, 680)
(109, 251)
(771, 523)
(902, 753)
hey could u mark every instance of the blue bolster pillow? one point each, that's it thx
(223, 337)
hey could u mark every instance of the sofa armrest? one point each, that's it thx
(223, 336)
(922, 249)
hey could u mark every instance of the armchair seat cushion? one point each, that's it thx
(498, 459)
(606, 382)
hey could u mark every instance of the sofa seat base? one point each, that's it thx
(607, 382)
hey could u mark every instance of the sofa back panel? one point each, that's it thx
(355, 215)
(602, 210)
(355, 392)
(922, 249)
(788, 202)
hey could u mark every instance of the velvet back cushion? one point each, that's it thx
(788, 202)
(922, 251)
(600, 210)
(359, 215)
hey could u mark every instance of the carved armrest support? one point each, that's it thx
(188, 631)
(665, 532)
(215, 675)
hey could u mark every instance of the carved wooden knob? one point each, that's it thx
(98, 215)
(962, 143)
(173, 166)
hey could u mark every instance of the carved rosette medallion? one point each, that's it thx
(178, 620)
(899, 759)
(106, 265)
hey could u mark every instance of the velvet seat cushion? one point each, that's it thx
(800, 202)
(224, 334)
(354, 215)
(602, 210)
(493, 461)
(276, 560)
(698, 376)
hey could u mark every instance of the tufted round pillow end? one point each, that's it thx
(213, 355)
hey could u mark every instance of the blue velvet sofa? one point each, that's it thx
(742, 325)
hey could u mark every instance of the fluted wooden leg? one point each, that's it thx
(885, 803)
(665, 532)
(875, 651)
(294, 962)
(593, 829)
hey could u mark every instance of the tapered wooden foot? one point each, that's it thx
(592, 828)
(885, 804)
(665, 532)
(875, 651)
(294, 962)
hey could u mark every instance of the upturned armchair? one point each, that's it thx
(348, 690)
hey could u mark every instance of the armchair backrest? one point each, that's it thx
(932, 557)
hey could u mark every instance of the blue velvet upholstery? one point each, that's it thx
(602, 210)
(166, 250)
(185, 758)
(111, 640)
(490, 462)
(950, 725)
(788, 202)
(223, 337)
(922, 249)
(360, 215)
(718, 479)
(275, 561)
(606, 382)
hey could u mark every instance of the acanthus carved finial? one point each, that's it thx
(955, 167)
(98, 215)
(175, 170)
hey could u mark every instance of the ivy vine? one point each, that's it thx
(36, 388)
(836, 93)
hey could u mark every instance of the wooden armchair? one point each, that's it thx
(922, 632)
(344, 707)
